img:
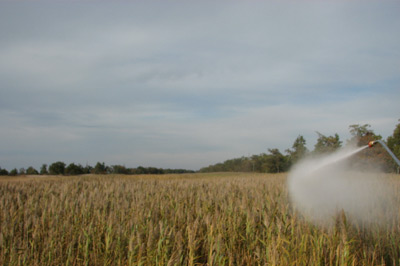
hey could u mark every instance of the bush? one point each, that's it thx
(3, 171)
(43, 170)
(74, 169)
(13, 172)
(57, 168)
(31, 171)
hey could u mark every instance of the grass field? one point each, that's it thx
(194, 219)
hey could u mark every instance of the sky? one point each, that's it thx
(186, 84)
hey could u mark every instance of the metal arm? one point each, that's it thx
(372, 143)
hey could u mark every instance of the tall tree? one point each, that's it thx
(393, 142)
(361, 135)
(31, 171)
(13, 172)
(73, 169)
(100, 168)
(21, 171)
(327, 144)
(377, 157)
(298, 151)
(357, 130)
(43, 169)
(119, 169)
(276, 161)
(3, 171)
(57, 168)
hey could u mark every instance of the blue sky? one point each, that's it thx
(183, 84)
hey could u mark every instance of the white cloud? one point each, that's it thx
(192, 84)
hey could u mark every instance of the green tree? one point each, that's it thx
(298, 151)
(22, 171)
(3, 171)
(377, 157)
(31, 171)
(327, 144)
(393, 142)
(57, 168)
(73, 169)
(256, 163)
(119, 169)
(43, 169)
(361, 135)
(88, 169)
(13, 172)
(100, 168)
(357, 130)
(276, 162)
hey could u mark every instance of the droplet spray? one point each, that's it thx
(324, 186)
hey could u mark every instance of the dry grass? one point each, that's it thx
(193, 219)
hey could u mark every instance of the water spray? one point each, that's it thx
(372, 143)
(320, 187)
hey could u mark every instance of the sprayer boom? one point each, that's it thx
(372, 143)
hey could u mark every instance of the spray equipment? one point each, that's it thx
(372, 143)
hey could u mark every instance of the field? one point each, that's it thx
(193, 219)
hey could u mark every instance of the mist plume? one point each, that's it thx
(324, 186)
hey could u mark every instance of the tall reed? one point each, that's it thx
(194, 219)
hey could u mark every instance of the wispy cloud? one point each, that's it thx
(186, 85)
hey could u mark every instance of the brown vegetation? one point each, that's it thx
(191, 219)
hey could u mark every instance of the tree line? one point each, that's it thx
(272, 162)
(60, 168)
(275, 161)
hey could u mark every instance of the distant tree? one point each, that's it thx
(119, 169)
(57, 168)
(276, 161)
(43, 169)
(177, 171)
(263, 163)
(154, 171)
(393, 142)
(255, 163)
(87, 169)
(140, 170)
(73, 169)
(357, 130)
(376, 157)
(298, 151)
(361, 135)
(31, 171)
(327, 144)
(3, 171)
(100, 168)
(22, 171)
(13, 172)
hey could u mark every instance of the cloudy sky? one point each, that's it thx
(185, 84)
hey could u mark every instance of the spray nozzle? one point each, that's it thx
(371, 143)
